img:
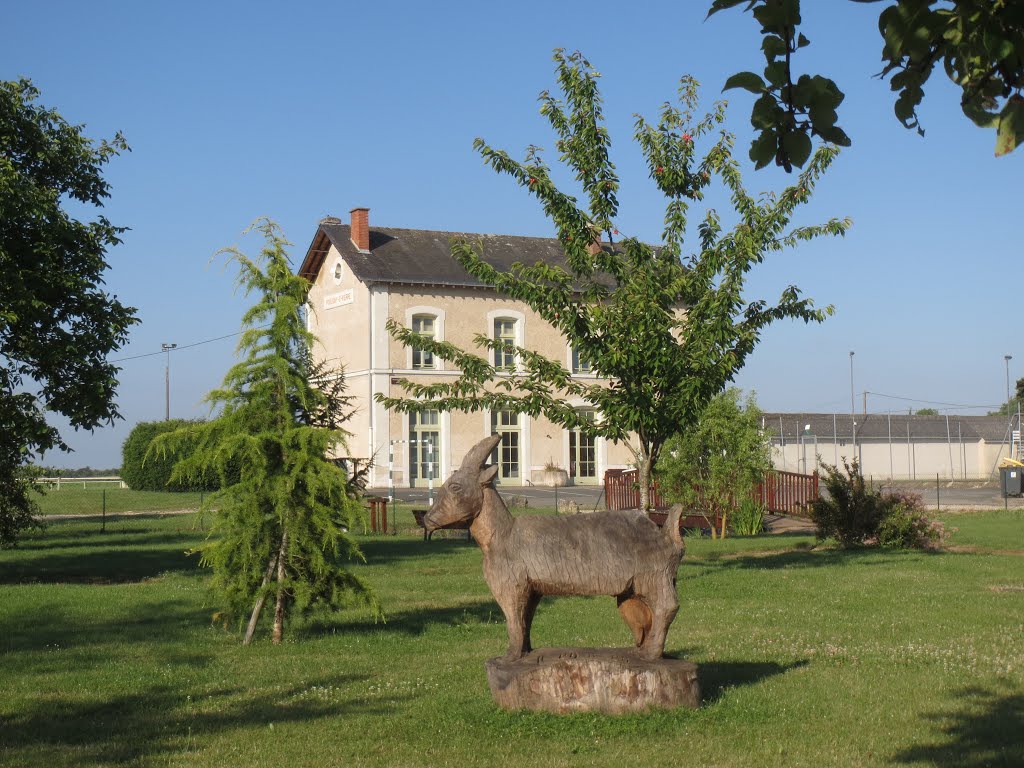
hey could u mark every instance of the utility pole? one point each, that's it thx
(1007, 359)
(167, 380)
(853, 408)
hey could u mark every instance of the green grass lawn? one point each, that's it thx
(79, 499)
(808, 657)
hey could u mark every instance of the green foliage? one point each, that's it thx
(143, 471)
(851, 513)
(855, 516)
(715, 465)
(1010, 406)
(927, 412)
(57, 324)
(906, 525)
(281, 527)
(978, 43)
(19, 509)
(621, 303)
(747, 519)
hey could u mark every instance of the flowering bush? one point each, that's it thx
(906, 524)
(855, 516)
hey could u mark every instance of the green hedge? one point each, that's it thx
(153, 473)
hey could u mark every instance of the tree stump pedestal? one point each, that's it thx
(609, 680)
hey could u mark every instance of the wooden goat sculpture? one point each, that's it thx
(622, 554)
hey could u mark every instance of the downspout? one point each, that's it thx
(372, 369)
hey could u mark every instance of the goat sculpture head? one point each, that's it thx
(461, 497)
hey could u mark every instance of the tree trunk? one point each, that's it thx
(644, 478)
(257, 609)
(282, 596)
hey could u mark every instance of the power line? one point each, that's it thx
(932, 402)
(184, 346)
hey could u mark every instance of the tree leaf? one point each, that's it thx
(748, 81)
(1011, 126)
(797, 146)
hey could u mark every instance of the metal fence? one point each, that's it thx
(109, 496)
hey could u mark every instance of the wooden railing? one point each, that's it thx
(622, 490)
(786, 493)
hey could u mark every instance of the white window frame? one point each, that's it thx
(519, 318)
(438, 314)
(570, 355)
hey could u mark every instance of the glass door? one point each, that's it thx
(506, 454)
(583, 453)
(424, 448)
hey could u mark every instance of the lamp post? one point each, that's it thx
(167, 380)
(1007, 359)
(853, 408)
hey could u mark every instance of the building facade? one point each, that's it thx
(361, 278)
(894, 446)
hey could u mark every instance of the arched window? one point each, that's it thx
(580, 364)
(424, 325)
(427, 321)
(505, 332)
(506, 325)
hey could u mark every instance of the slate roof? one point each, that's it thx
(423, 257)
(876, 426)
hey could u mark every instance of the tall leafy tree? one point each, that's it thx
(1010, 406)
(665, 329)
(57, 323)
(284, 511)
(979, 45)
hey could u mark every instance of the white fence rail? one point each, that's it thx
(56, 483)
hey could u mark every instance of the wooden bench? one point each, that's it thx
(419, 514)
(687, 522)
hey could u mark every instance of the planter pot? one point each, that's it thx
(554, 478)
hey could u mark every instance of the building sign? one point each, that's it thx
(340, 299)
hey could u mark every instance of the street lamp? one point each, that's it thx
(167, 380)
(853, 407)
(1007, 359)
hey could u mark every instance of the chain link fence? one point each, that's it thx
(109, 496)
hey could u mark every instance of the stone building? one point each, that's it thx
(363, 276)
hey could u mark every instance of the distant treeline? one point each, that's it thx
(80, 472)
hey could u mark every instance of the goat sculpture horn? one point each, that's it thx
(478, 454)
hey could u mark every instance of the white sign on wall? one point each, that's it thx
(339, 299)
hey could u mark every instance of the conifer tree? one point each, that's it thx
(666, 330)
(282, 515)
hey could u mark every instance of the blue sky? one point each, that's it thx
(236, 110)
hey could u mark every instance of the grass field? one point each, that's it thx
(92, 499)
(808, 657)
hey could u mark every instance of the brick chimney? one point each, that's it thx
(361, 228)
(595, 243)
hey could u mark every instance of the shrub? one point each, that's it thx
(153, 472)
(856, 516)
(852, 513)
(748, 518)
(906, 524)
(716, 464)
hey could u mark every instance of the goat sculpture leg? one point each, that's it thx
(665, 606)
(518, 605)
